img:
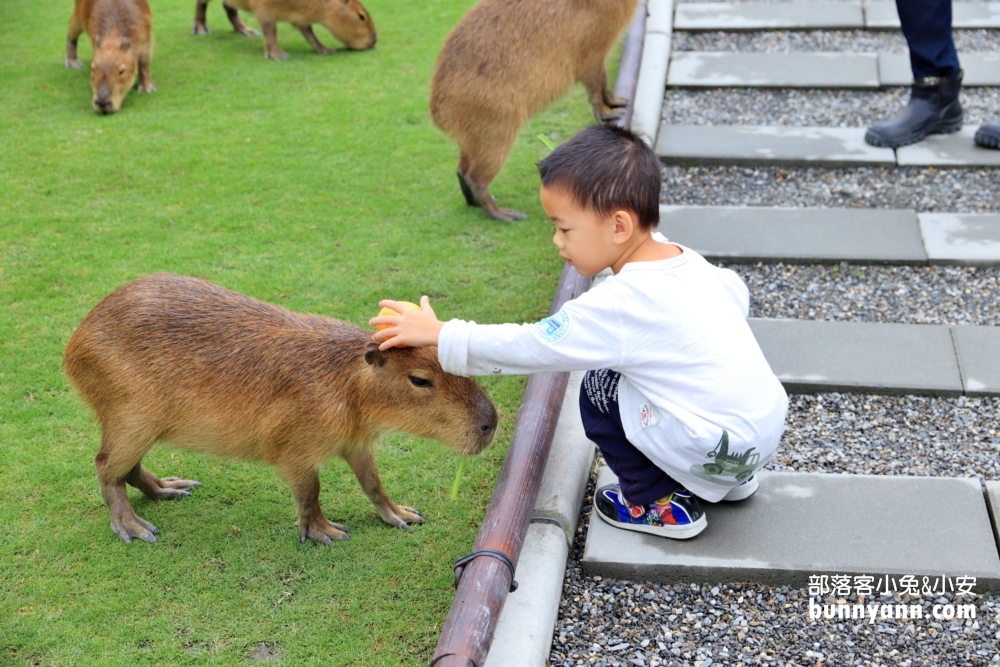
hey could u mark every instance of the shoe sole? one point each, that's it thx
(742, 492)
(987, 139)
(875, 140)
(675, 532)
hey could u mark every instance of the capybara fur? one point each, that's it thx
(505, 61)
(180, 360)
(121, 32)
(346, 20)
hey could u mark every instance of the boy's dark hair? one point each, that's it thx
(607, 168)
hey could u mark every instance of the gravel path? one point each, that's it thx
(613, 623)
(790, 41)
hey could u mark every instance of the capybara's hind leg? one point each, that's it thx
(607, 107)
(238, 24)
(271, 48)
(481, 160)
(310, 36)
(121, 450)
(72, 37)
(200, 26)
(362, 462)
(156, 488)
(313, 525)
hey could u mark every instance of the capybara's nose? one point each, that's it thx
(103, 106)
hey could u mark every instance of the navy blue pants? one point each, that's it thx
(927, 27)
(641, 481)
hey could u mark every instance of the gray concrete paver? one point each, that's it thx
(878, 357)
(769, 16)
(978, 350)
(961, 238)
(811, 146)
(803, 524)
(798, 235)
(711, 69)
(948, 150)
(981, 69)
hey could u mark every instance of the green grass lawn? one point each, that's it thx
(318, 184)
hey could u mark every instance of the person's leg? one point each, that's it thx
(646, 499)
(934, 107)
(926, 25)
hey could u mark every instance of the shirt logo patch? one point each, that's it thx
(553, 328)
(647, 417)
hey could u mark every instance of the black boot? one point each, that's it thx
(933, 109)
(988, 134)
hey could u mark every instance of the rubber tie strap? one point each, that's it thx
(492, 553)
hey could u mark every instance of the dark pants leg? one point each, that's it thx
(927, 27)
(641, 481)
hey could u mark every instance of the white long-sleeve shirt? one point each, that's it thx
(696, 395)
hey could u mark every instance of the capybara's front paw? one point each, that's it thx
(130, 525)
(248, 32)
(323, 531)
(610, 115)
(276, 54)
(147, 87)
(506, 215)
(200, 29)
(73, 63)
(614, 101)
(171, 488)
(402, 517)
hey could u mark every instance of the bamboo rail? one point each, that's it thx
(484, 582)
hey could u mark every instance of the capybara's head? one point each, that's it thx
(410, 392)
(112, 72)
(349, 22)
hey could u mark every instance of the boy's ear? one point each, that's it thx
(625, 225)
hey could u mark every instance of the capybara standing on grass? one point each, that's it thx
(121, 32)
(507, 60)
(346, 20)
(184, 361)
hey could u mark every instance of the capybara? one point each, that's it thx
(187, 362)
(346, 20)
(509, 59)
(121, 32)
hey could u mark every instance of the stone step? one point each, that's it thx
(713, 69)
(981, 69)
(801, 526)
(806, 236)
(735, 17)
(769, 16)
(964, 15)
(813, 147)
(882, 358)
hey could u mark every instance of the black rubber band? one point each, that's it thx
(492, 553)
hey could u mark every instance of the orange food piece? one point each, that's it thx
(390, 311)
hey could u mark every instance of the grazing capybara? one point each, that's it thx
(507, 60)
(122, 34)
(346, 20)
(187, 362)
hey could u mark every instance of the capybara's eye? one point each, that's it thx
(361, 16)
(121, 72)
(419, 381)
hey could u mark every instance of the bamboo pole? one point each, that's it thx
(484, 582)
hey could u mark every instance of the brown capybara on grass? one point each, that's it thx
(509, 59)
(121, 32)
(184, 361)
(346, 20)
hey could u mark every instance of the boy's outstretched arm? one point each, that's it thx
(416, 328)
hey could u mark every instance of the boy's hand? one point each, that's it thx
(416, 328)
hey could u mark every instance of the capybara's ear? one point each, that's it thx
(373, 355)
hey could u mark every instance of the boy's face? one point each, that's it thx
(584, 238)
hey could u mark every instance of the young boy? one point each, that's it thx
(678, 396)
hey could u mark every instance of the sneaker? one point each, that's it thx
(988, 135)
(743, 491)
(680, 518)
